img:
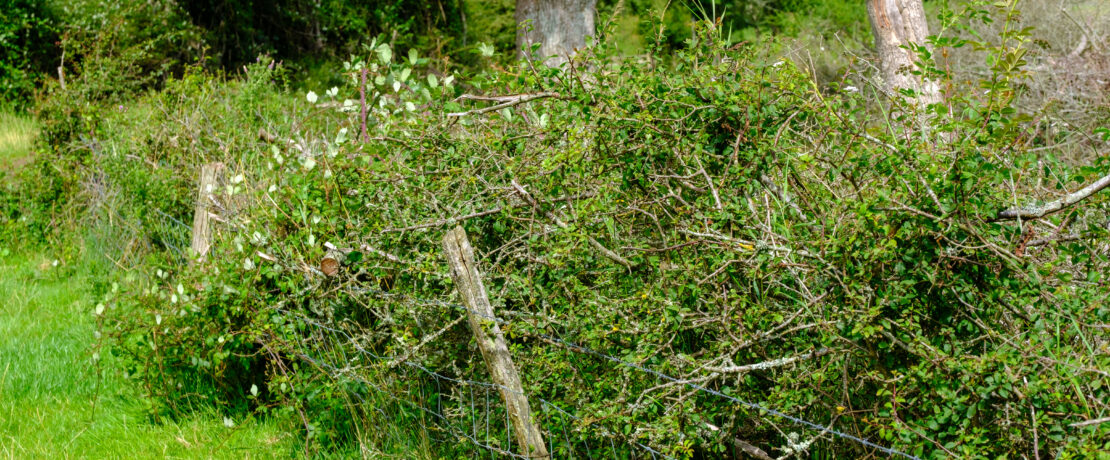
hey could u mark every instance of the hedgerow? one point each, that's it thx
(718, 219)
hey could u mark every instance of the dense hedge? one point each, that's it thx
(692, 217)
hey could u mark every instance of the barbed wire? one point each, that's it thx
(334, 371)
(582, 349)
(487, 385)
(588, 351)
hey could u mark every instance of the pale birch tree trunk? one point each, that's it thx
(559, 26)
(897, 23)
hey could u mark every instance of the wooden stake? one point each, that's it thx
(202, 226)
(479, 312)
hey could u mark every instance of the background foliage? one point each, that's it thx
(760, 208)
(27, 33)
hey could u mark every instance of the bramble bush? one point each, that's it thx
(717, 218)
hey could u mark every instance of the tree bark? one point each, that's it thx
(559, 26)
(897, 23)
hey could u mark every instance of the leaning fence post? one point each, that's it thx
(479, 312)
(202, 227)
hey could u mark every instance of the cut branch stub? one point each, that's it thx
(491, 342)
(329, 265)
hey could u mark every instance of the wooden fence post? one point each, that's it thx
(479, 312)
(202, 226)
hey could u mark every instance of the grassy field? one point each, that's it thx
(52, 404)
(54, 400)
(17, 132)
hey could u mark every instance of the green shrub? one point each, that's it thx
(112, 51)
(755, 227)
(854, 257)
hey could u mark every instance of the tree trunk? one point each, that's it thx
(559, 26)
(897, 23)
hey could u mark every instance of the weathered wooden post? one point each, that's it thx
(479, 312)
(202, 227)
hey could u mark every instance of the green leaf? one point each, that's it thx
(385, 54)
(354, 257)
(486, 50)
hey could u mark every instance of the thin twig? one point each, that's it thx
(769, 364)
(781, 194)
(457, 219)
(1097, 421)
(752, 450)
(509, 102)
(596, 245)
(1036, 212)
(362, 105)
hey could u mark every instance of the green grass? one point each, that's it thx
(52, 405)
(17, 132)
(58, 402)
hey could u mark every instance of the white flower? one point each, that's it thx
(851, 89)
(486, 49)
(311, 97)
